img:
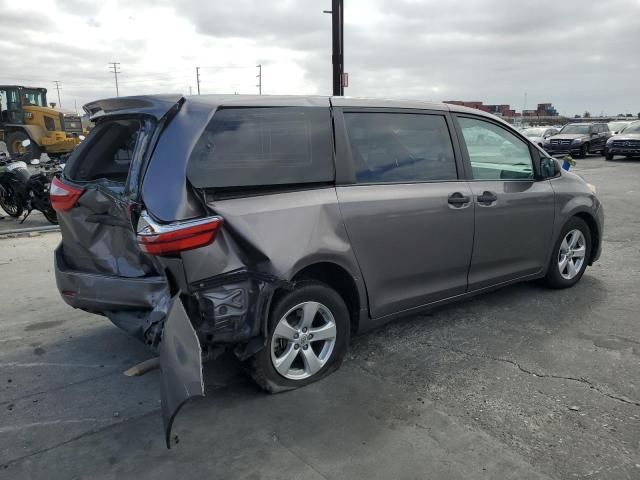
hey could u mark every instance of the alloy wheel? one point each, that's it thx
(303, 340)
(572, 254)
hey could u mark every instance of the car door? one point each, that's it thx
(407, 212)
(514, 212)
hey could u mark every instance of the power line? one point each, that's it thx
(115, 68)
(58, 84)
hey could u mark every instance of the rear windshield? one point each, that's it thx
(251, 147)
(106, 153)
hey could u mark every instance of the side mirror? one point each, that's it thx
(549, 167)
(26, 143)
(35, 161)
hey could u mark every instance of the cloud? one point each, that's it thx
(578, 55)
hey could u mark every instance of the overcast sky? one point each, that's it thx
(579, 54)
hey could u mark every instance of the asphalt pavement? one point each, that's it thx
(521, 383)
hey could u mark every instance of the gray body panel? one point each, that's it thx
(513, 234)
(412, 246)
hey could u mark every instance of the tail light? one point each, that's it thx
(63, 197)
(156, 239)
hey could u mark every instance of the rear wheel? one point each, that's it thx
(50, 215)
(10, 201)
(570, 255)
(307, 338)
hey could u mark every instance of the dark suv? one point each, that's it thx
(579, 139)
(277, 227)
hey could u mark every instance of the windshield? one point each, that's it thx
(617, 126)
(33, 98)
(634, 128)
(580, 129)
(534, 132)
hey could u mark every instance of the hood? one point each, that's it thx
(568, 136)
(626, 136)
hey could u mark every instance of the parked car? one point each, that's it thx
(618, 126)
(539, 134)
(579, 139)
(626, 143)
(278, 227)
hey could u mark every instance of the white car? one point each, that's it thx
(539, 134)
(618, 126)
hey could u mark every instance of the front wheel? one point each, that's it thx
(608, 156)
(584, 150)
(307, 338)
(10, 201)
(570, 255)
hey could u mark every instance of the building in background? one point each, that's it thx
(505, 110)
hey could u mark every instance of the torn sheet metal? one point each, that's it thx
(181, 364)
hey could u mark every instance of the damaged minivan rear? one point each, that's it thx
(187, 223)
(277, 227)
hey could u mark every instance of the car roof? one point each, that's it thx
(345, 102)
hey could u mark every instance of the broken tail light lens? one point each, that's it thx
(156, 239)
(63, 197)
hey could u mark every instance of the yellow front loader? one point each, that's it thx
(24, 114)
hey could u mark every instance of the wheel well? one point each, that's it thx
(593, 229)
(340, 280)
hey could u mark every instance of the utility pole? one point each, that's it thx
(337, 56)
(115, 68)
(58, 84)
(259, 76)
(198, 78)
(190, 91)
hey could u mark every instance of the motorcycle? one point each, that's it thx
(21, 191)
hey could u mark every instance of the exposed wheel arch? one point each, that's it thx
(595, 233)
(340, 280)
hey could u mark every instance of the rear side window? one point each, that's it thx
(106, 153)
(400, 147)
(251, 147)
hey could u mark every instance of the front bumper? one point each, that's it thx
(562, 149)
(633, 151)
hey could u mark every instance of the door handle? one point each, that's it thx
(487, 198)
(457, 199)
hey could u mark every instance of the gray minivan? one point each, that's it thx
(278, 227)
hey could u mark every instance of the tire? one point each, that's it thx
(555, 277)
(290, 306)
(16, 138)
(584, 150)
(51, 215)
(608, 156)
(10, 201)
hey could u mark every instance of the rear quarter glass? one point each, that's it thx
(251, 147)
(107, 152)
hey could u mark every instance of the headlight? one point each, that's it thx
(577, 140)
(592, 188)
(610, 141)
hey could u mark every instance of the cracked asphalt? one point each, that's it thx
(520, 383)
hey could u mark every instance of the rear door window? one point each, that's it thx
(400, 147)
(252, 147)
(106, 153)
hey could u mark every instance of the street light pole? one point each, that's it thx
(337, 55)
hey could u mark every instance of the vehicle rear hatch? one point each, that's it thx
(99, 266)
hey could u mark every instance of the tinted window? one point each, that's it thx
(398, 147)
(246, 147)
(494, 152)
